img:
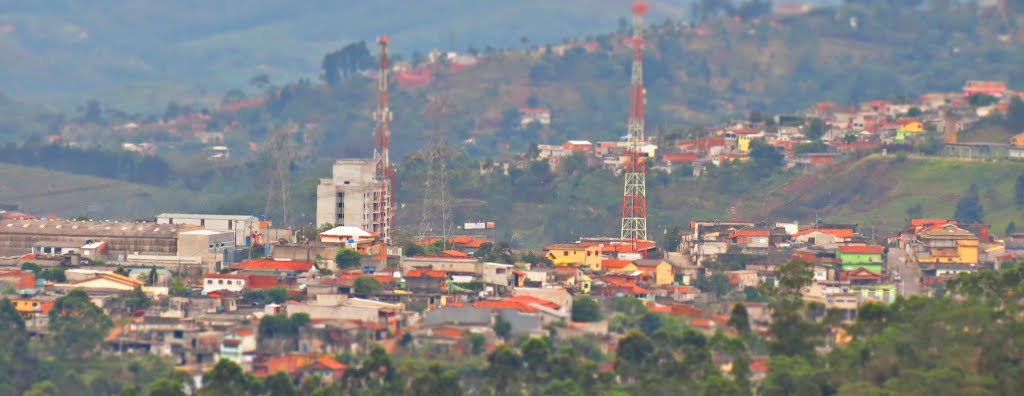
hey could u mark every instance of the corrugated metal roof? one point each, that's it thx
(89, 228)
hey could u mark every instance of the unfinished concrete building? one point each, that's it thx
(354, 196)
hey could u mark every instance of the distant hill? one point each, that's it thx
(42, 192)
(163, 49)
(885, 191)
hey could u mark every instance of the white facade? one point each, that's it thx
(353, 197)
(241, 226)
(208, 245)
(217, 282)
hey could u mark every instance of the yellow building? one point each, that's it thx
(661, 271)
(947, 244)
(743, 143)
(909, 128)
(575, 255)
(30, 307)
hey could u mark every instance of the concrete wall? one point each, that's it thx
(241, 227)
(442, 264)
(209, 246)
(349, 196)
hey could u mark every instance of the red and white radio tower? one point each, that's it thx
(634, 196)
(381, 149)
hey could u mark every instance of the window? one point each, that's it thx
(565, 253)
(202, 222)
(231, 224)
(347, 182)
(209, 281)
(220, 282)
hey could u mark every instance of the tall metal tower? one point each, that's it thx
(437, 206)
(634, 196)
(381, 149)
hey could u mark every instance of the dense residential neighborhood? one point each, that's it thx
(517, 242)
(208, 289)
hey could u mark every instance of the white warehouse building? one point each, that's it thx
(241, 225)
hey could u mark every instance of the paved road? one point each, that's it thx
(909, 283)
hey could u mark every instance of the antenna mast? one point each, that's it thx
(383, 172)
(634, 197)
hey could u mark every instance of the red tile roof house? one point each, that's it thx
(272, 265)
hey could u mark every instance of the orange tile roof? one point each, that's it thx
(428, 241)
(449, 332)
(477, 243)
(244, 332)
(535, 300)
(836, 232)
(759, 365)
(923, 222)
(687, 310)
(613, 264)
(750, 233)
(456, 253)
(683, 289)
(419, 273)
(862, 249)
(259, 282)
(702, 323)
(461, 239)
(331, 363)
(273, 265)
(505, 304)
(656, 308)
(859, 274)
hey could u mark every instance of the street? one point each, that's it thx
(909, 283)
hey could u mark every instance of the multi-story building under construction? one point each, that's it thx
(352, 197)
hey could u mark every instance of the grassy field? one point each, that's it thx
(880, 190)
(42, 192)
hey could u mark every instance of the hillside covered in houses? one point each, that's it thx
(808, 200)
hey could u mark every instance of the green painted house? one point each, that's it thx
(885, 293)
(870, 257)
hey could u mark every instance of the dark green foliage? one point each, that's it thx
(502, 328)
(672, 238)
(225, 379)
(76, 325)
(969, 209)
(280, 384)
(136, 300)
(504, 371)
(30, 266)
(1011, 228)
(500, 253)
(764, 159)
(348, 258)
(1018, 191)
(276, 294)
(367, 286)
(16, 363)
(717, 284)
(739, 319)
(119, 165)
(585, 309)
(436, 381)
(345, 61)
(979, 100)
(165, 387)
(53, 275)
